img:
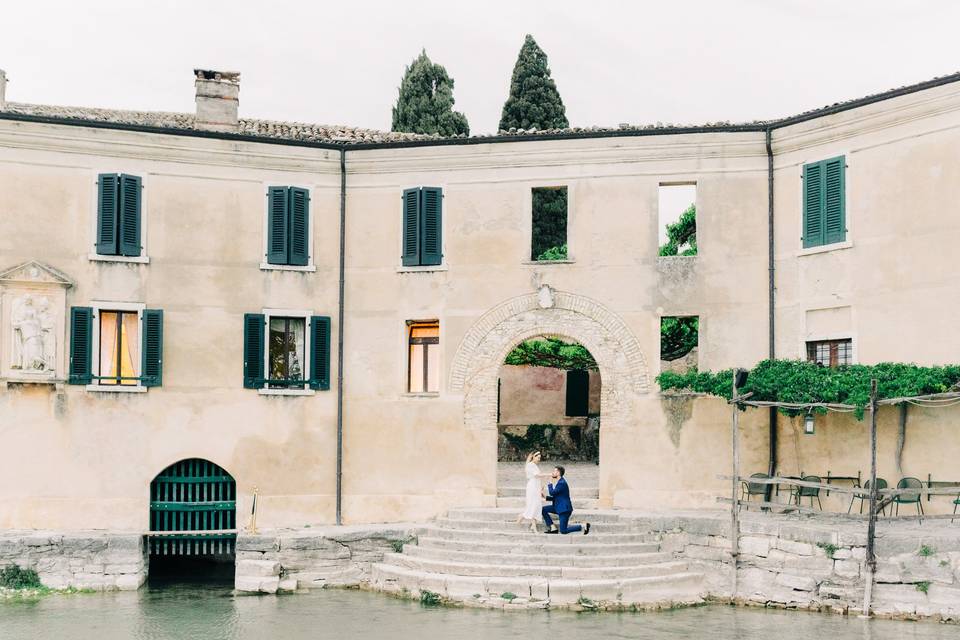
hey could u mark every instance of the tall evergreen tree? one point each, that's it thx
(534, 101)
(425, 103)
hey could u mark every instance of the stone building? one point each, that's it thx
(322, 312)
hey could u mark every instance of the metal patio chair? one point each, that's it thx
(881, 485)
(748, 488)
(809, 492)
(956, 503)
(911, 496)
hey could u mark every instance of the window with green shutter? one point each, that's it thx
(81, 345)
(119, 215)
(320, 352)
(824, 202)
(151, 350)
(253, 350)
(116, 346)
(288, 226)
(286, 351)
(422, 221)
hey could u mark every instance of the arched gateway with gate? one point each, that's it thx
(193, 510)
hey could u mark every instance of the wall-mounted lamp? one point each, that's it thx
(808, 424)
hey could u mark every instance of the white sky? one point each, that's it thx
(681, 61)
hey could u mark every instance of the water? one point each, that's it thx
(212, 613)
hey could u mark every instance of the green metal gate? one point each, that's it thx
(193, 510)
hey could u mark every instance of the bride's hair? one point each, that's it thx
(530, 455)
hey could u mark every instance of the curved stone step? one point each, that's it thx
(469, 535)
(578, 503)
(519, 491)
(518, 527)
(430, 565)
(506, 515)
(649, 590)
(540, 544)
(476, 555)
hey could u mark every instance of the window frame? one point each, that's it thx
(836, 341)
(425, 268)
(93, 256)
(96, 307)
(407, 338)
(305, 314)
(311, 265)
(528, 221)
(695, 183)
(849, 179)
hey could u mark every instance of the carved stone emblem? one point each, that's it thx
(34, 334)
(545, 297)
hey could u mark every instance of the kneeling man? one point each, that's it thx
(559, 494)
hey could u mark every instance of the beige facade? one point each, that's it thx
(79, 458)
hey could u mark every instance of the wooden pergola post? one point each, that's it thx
(871, 559)
(734, 506)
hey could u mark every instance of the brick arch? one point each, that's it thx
(476, 365)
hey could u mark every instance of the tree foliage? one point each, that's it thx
(682, 235)
(534, 102)
(549, 223)
(678, 336)
(551, 352)
(425, 102)
(798, 381)
(554, 253)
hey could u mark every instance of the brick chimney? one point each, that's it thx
(3, 88)
(218, 96)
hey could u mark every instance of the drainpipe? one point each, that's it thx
(772, 348)
(343, 222)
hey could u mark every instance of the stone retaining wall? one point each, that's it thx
(82, 560)
(790, 563)
(292, 559)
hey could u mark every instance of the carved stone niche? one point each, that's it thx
(33, 305)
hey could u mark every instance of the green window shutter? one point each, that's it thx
(813, 205)
(431, 219)
(578, 393)
(277, 229)
(253, 345)
(299, 227)
(320, 352)
(131, 189)
(411, 227)
(151, 351)
(108, 195)
(834, 214)
(81, 345)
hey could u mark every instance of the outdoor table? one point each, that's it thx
(932, 484)
(854, 479)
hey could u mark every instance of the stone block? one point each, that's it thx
(539, 590)
(704, 526)
(799, 583)
(123, 568)
(887, 572)
(847, 568)
(890, 545)
(247, 542)
(564, 592)
(796, 548)
(125, 544)
(130, 581)
(755, 584)
(600, 590)
(698, 552)
(761, 526)
(287, 585)
(925, 569)
(808, 534)
(944, 597)
(851, 538)
(258, 568)
(842, 554)
(755, 546)
(897, 599)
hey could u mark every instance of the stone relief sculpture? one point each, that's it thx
(34, 335)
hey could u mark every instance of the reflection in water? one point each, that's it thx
(212, 612)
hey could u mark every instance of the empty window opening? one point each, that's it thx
(830, 353)
(679, 341)
(677, 221)
(549, 224)
(423, 363)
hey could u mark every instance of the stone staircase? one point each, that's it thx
(583, 478)
(476, 556)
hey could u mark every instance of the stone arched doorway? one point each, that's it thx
(548, 312)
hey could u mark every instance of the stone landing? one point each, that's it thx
(481, 557)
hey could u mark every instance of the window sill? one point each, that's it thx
(110, 388)
(547, 262)
(287, 392)
(96, 257)
(423, 269)
(836, 246)
(434, 394)
(265, 266)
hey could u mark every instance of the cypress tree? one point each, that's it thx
(425, 103)
(534, 101)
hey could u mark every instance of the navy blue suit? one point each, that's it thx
(560, 497)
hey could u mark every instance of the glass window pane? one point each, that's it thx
(286, 349)
(433, 368)
(425, 331)
(108, 345)
(295, 346)
(416, 368)
(129, 346)
(277, 349)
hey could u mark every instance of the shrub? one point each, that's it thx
(429, 598)
(506, 595)
(924, 586)
(926, 551)
(13, 577)
(828, 548)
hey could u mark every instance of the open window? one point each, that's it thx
(679, 342)
(423, 357)
(549, 224)
(677, 219)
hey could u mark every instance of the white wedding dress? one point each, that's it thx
(533, 502)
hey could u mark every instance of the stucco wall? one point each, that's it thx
(538, 395)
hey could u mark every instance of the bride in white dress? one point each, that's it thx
(533, 500)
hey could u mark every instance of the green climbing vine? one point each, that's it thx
(678, 336)
(551, 352)
(682, 235)
(798, 381)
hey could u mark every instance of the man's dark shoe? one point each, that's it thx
(586, 529)
(551, 531)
